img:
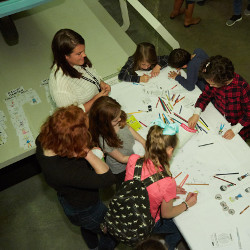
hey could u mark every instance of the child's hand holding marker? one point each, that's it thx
(145, 78)
(229, 134)
(192, 121)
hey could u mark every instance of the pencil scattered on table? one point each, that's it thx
(227, 173)
(142, 124)
(180, 109)
(206, 144)
(184, 180)
(174, 86)
(178, 175)
(244, 209)
(180, 117)
(201, 184)
(224, 180)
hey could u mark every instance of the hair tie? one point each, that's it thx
(205, 69)
(168, 129)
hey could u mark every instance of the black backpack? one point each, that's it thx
(128, 218)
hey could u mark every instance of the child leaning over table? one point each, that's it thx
(231, 95)
(182, 59)
(160, 145)
(107, 125)
(144, 58)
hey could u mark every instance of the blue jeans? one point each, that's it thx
(172, 234)
(89, 220)
(238, 6)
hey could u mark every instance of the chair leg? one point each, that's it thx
(9, 30)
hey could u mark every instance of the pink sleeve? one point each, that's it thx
(130, 168)
(170, 190)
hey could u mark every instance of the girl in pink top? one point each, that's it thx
(160, 144)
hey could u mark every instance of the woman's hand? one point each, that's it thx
(144, 78)
(105, 86)
(229, 134)
(173, 74)
(192, 121)
(155, 71)
(191, 199)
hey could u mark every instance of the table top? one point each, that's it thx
(207, 225)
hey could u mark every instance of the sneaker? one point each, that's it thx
(233, 20)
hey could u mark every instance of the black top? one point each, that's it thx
(73, 178)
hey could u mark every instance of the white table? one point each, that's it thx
(206, 223)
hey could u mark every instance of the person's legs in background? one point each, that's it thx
(189, 20)
(237, 9)
(177, 10)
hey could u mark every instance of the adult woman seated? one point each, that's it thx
(71, 168)
(72, 78)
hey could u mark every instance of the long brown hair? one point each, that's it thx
(145, 52)
(66, 132)
(103, 111)
(156, 145)
(63, 43)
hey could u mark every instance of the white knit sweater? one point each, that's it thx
(66, 90)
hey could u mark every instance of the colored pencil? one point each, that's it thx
(206, 144)
(201, 128)
(135, 112)
(227, 173)
(184, 180)
(162, 104)
(175, 120)
(163, 118)
(173, 97)
(174, 86)
(177, 175)
(203, 124)
(180, 109)
(197, 184)
(142, 124)
(180, 117)
(166, 106)
(166, 119)
(244, 209)
(203, 121)
(181, 99)
(224, 180)
(157, 103)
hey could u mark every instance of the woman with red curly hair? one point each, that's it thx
(71, 168)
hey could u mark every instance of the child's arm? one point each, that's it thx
(125, 73)
(170, 211)
(118, 156)
(137, 136)
(162, 63)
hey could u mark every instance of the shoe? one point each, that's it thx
(233, 20)
(247, 12)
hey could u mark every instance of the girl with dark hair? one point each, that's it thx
(144, 58)
(72, 169)
(160, 144)
(231, 94)
(72, 79)
(111, 133)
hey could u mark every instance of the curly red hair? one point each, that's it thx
(66, 132)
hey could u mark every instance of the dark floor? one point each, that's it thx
(30, 216)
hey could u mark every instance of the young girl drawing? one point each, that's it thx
(231, 94)
(160, 144)
(144, 58)
(111, 133)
